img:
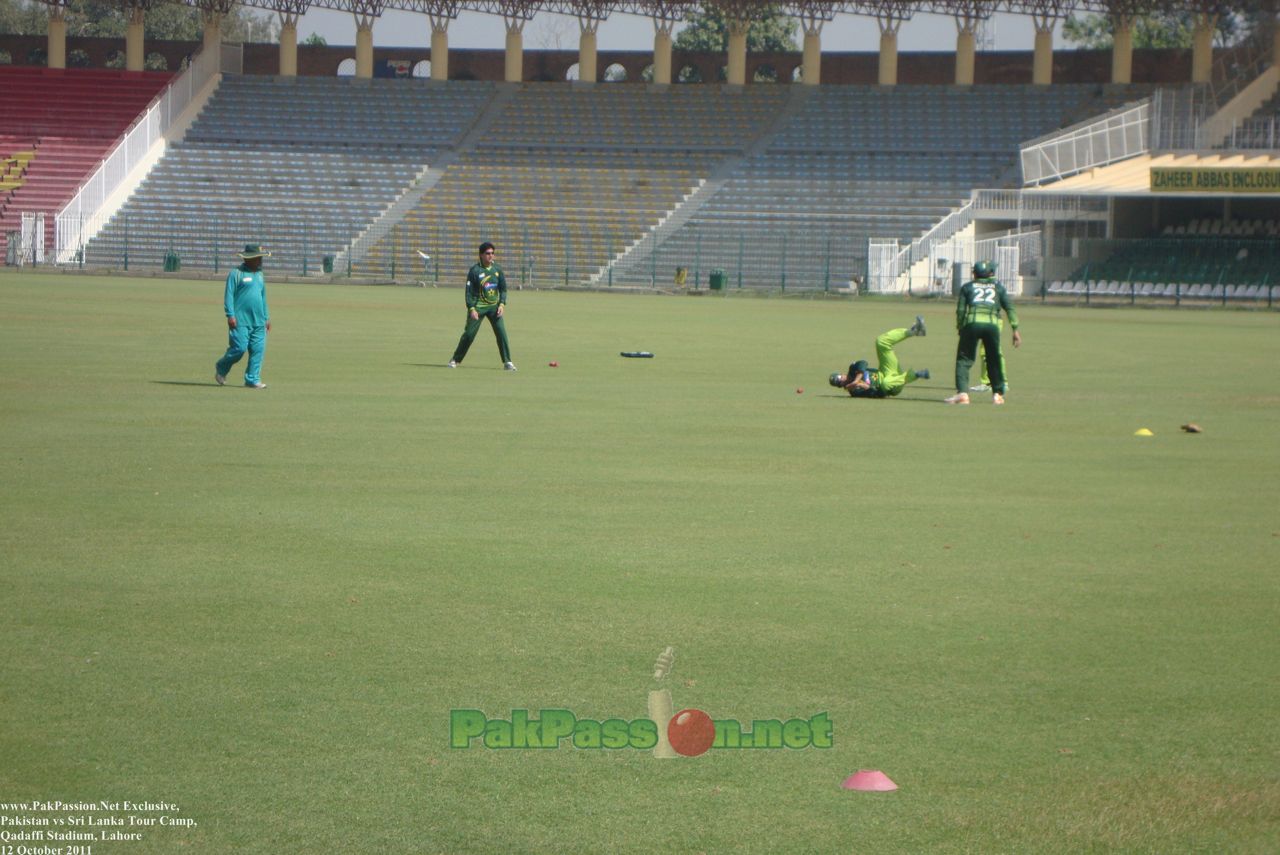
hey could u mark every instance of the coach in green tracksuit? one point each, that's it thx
(248, 320)
(978, 308)
(888, 379)
(486, 297)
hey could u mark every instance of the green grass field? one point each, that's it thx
(1055, 636)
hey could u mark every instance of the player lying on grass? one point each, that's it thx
(888, 379)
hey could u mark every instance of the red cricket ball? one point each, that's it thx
(691, 732)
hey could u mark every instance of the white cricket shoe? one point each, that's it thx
(220, 379)
(508, 366)
(453, 363)
(997, 399)
(981, 387)
(957, 398)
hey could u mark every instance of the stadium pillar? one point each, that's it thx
(661, 51)
(57, 37)
(738, 52)
(514, 72)
(439, 48)
(811, 65)
(888, 55)
(1275, 46)
(1202, 47)
(288, 44)
(135, 40)
(1042, 64)
(211, 29)
(364, 49)
(587, 56)
(1122, 50)
(965, 47)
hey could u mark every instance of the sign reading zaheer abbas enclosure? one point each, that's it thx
(1215, 179)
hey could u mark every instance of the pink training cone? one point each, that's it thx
(869, 781)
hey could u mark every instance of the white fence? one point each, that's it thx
(1118, 135)
(30, 248)
(889, 265)
(82, 217)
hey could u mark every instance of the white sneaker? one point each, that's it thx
(258, 385)
(957, 398)
(997, 399)
(453, 363)
(220, 379)
(981, 387)
(508, 366)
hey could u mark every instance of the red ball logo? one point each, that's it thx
(691, 732)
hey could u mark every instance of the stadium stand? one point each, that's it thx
(58, 124)
(301, 165)
(567, 177)
(857, 162)
(1206, 252)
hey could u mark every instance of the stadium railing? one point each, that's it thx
(1116, 136)
(87, 212)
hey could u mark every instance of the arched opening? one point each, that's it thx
(347, 68)
(5, 58)
(797, 74)
(422, 68)
(765, 74)
(155, 62)
(572, 72)
(615, 73)
(78, 59)
(647, 74)
(689, 74)
(37, 56)
(115, 59)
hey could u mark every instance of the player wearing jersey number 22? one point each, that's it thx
(978, 308)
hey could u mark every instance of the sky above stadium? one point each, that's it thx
(632, 32)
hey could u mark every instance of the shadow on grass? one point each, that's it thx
(903, 399)
(447, 368)
(209, 383)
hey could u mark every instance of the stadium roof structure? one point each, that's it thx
(810, 11)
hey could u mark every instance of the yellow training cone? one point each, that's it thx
(1143, 432)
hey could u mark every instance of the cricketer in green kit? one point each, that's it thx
(978, 308)
(888, 379)
(486, 297)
